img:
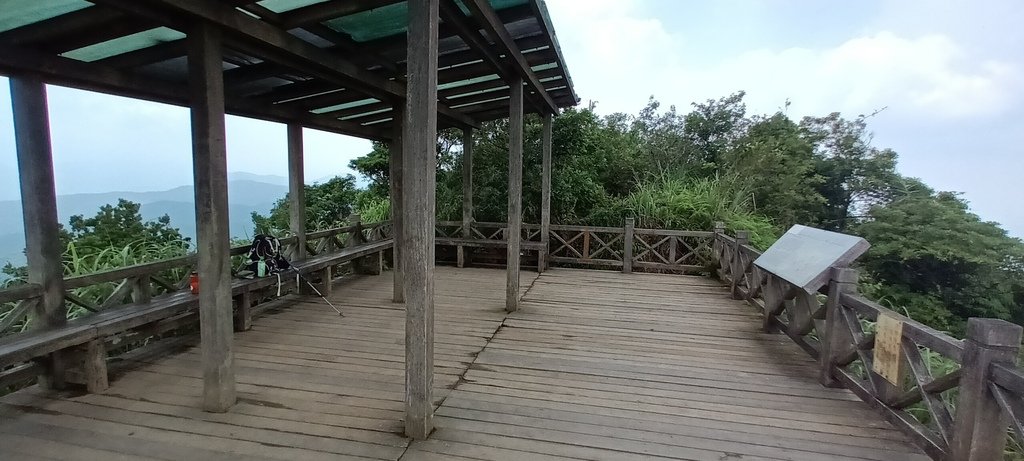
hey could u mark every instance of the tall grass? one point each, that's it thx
(674, 203)
(82, 261)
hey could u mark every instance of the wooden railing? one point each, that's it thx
(100, 291)
(954, 398)
(626, 248)
(126, 308)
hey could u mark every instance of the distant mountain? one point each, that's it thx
(263, 178)
(246, 193)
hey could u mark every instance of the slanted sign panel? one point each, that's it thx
(804, 255)
(888, 348)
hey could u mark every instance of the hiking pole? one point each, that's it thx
(299, 276)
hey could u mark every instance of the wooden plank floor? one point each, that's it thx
(597, 365)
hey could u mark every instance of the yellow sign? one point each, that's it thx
(888, 348)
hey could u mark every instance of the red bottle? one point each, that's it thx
(193, 282)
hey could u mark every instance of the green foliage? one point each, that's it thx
(327, 206)
(115, 237)
(670, 203)
(776, 164)
(120, 226)
(855, 174)
(931, 258)
(941, 259)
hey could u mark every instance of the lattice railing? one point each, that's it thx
(945, 386)
(93, 293)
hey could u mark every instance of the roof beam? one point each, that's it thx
(146, 56)
(278, 45)
(396, 43)
(495, 27)
(94, 77)
(541, 12)
(320, 12)
(58, 26)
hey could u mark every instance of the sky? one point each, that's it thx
(948, 77)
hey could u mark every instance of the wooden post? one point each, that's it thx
(979, 429)
(844, 280)
(39, 210)
(141, 289)
(369, 264)
(515, 192)
(397, 228)
(243, 311)
(742, 238)
(716, 245)
(209, 164)
(545, 195)
(418, 199)
(467, 193)
(627, 247)
(95, 366)
(326, 281)
(296, 191)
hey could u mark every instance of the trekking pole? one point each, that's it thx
(315, 290)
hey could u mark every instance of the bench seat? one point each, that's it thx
(28, 345)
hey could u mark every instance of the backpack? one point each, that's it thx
(266, 249)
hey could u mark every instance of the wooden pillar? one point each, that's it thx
(515, 192)
(742, 238)
(209, 163)
(835, 339)
(296, 191)
(979, 429)
(39, 210)
(545, 195)
(419, 162)
(627, 247)
(395, 185)
(467, 192)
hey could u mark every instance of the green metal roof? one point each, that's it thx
(126, 48)
(17, 13)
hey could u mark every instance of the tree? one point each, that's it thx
(327, 206)
(777, 164)
(856, 174)
(116, 236)
(116, 226)
(930, 244)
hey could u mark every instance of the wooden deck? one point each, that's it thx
(597, 365)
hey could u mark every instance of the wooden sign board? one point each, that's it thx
(804, 255)
(888, 348)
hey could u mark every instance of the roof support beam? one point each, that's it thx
(39, 210)
(278, 45)
(328, 10)
(209, 163)
(495, 27)
(419, 161)
(514, 232)
(94, 77)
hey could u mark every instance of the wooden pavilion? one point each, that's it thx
(387, 70)
(566, 364)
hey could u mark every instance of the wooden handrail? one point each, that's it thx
(21, 292)
(988, 380)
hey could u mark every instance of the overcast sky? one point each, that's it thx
(950, 75)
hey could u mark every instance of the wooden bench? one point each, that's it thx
(86, 335)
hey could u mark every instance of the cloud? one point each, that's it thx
(620, 56)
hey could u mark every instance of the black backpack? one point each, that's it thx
(266, 248)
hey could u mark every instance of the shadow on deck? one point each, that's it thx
(596, 365)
